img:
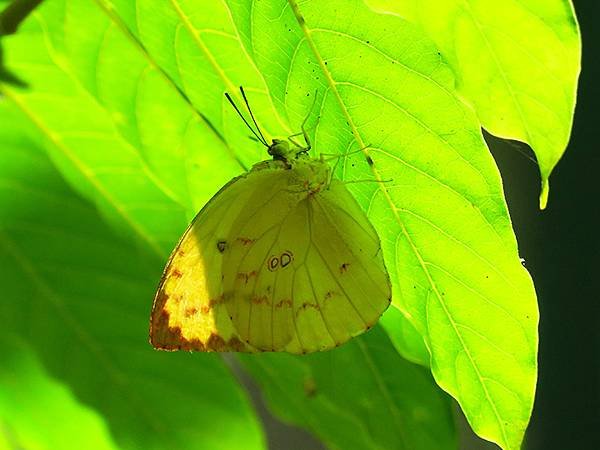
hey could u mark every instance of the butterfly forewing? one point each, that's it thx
(189, 311)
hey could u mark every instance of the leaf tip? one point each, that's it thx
(544, 193)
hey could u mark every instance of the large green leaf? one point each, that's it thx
(362, 395)
(112, 119)
(516, 61)
(79, 295)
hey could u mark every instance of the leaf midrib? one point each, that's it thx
(229, 85)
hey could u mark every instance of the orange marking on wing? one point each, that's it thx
(259, 300)
(189, 312)
(215, 342)
(176, 273)
(246, 275)
(236, 345)
(165, 337)
(307, 305)
(285, 302)
(216, 301)
(245, 240)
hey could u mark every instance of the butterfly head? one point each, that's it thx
(281, 150)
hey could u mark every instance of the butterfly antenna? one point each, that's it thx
(252, 115)
(260, 137)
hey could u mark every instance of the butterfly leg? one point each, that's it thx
(305, 130)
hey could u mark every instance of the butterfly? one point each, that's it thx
(282, 258)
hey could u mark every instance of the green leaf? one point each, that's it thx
(38, 412)
(79, 295)
(516, 62)
(362, 395)
(437, 203)
(439, 207)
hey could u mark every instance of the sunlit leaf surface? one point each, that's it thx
(78, 294)
(516, 61)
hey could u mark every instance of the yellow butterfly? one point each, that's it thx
(282, 258)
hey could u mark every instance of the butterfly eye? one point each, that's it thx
(286, 258)
(273, 263)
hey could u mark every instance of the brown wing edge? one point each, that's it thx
(164, 337)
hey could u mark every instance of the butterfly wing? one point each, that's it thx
(188, 311)
(304, 271)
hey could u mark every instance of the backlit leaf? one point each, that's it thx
(516, 61)
(78, 295)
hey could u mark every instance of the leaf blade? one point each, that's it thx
(446, 211)
(76, 293)
(528, 56)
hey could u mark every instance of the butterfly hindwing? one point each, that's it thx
(252, 275)
(303, 272)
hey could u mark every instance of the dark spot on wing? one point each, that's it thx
(286, 258)
(221, 245)
(273, 263)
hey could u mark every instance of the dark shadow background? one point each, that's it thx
(561, 247)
